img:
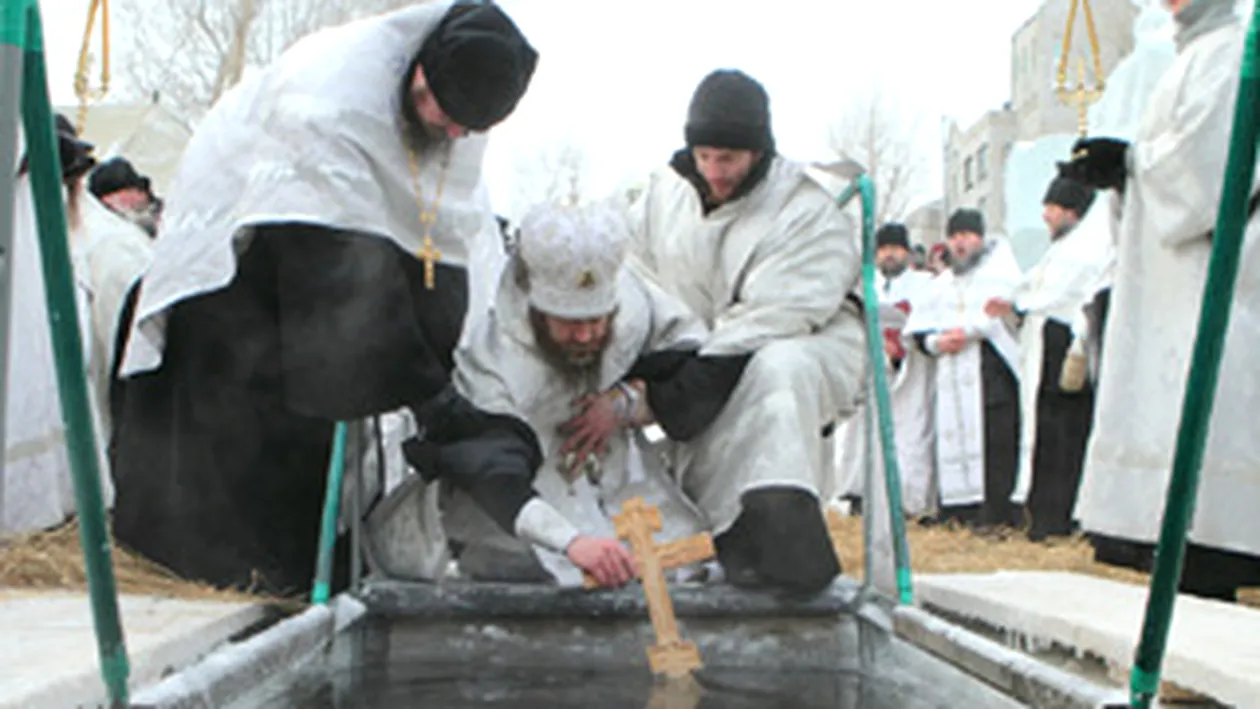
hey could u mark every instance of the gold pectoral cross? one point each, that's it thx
(430, 256)
(428, 217)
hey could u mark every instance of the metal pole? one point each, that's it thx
(12, 41)
(68, 353)
(321, 589)
(883, 401)
(1205, 365)
(356, 506)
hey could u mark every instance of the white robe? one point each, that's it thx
(110, 254)
(911, 389)
(1177, 166)
(500, 369)
(322, 129)
(958, 302)
(1055, 289)
(768, 273)
(37, 491)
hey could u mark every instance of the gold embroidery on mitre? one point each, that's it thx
(586, 280)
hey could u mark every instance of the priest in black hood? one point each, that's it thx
(314, 266)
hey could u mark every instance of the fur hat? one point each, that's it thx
(893, 234)
(572, 257)
(965, 220)
(1069, 194)
(477, 64)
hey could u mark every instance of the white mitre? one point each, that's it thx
(572, 256)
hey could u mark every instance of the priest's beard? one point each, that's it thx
(145, 217)
(578, 365)
(419, 136)
(892, 267)
(965, 264)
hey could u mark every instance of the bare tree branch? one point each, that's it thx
(191, 52)
(874, 131)
(554, 173)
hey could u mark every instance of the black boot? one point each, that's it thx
(780, 541)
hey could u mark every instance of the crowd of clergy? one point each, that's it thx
(327, 254)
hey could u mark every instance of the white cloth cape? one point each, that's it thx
(315, 137)
(768, 273)
(500, 369)
(911, 389)
(1171, 200)
(1055, 289)
(958, 302)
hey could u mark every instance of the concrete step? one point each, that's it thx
(48, 655)
(1213, 648)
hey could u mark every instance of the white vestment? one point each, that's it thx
(323, 132)
(501, 370)
(769, 273)
(36, 491)
(110, 254)
(958, 302)
(1176, 173)
(911, 388)
(1055, 289)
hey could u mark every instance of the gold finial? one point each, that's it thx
(1082, 96)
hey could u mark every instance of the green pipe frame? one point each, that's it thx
(321, 589)
(864, 188)
(21, 26)
(1205, 365)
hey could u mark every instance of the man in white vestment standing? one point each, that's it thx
(754, 245)
(1056, 422)
(911, 379)
(539, 439)
(977, 366)
(1169, 180)
(312, 267)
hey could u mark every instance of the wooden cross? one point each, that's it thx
(672, 555)
(429, 255)
(670, 656)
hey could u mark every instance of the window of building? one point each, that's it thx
(967, 181)
(982, 163)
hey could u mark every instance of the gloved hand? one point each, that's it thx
(1100, 163)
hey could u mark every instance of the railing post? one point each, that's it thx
(46, 184)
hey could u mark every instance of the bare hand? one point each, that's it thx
(951, 341)
(588, 432)
(998, 308)
(610, 563)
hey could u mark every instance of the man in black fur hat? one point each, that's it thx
(1056, 420)
(977, 366)
(313, 267)
(119, 186)
(753, 243)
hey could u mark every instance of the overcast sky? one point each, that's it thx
(617, 76)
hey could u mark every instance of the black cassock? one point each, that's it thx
(220, 454)
(1064, 420)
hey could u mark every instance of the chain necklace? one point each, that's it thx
(428, 216)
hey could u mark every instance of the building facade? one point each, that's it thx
(975, 165)
(975, 156)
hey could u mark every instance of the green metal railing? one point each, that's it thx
(1205, 364)
(22, 54)
(321, 589)
(864, 188)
